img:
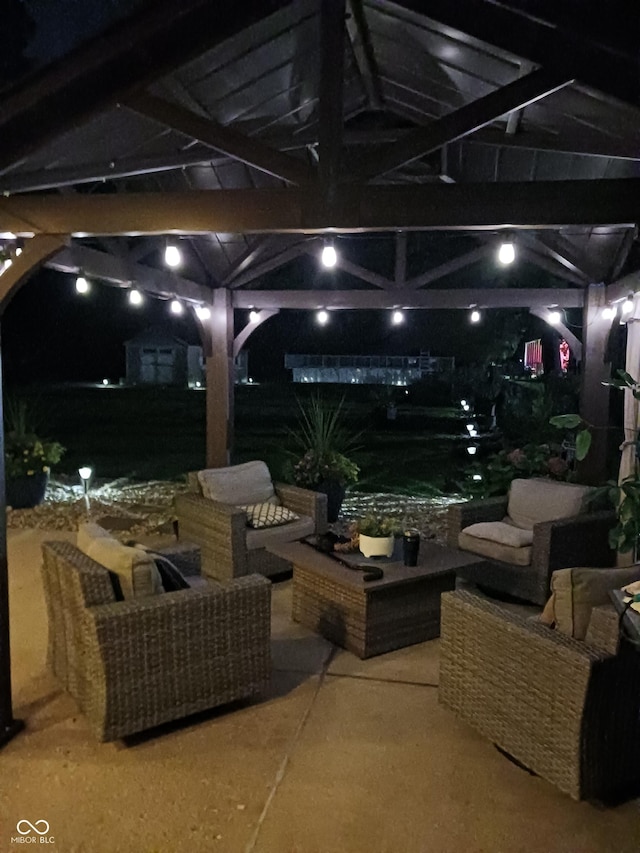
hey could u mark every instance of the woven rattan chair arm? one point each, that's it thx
(304, 502)
(581, 540)
(512, 631)
(462, 515)
(604, 629)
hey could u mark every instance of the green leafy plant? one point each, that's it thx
(582, 435)
(377, 525)
(321, 443)
(25, 452)
(530, 460)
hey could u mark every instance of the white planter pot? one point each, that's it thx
(376, 546)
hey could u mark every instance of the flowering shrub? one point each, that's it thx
(315, 468)
(531, 460)
(28, 454)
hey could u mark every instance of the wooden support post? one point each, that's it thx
(594, 396)
(8, 726)
(220, 382)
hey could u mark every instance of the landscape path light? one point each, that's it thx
(85, 475)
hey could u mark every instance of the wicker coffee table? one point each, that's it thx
(372, 617)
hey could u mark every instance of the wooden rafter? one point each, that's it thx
(363, 53)
(120, 271)
(268, 265)
(330, 108)
(224, 139)
(449, 267)
(559, 250)
(469, 118)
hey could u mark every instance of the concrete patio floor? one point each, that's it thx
(340, 755)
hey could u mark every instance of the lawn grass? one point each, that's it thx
(159, 433)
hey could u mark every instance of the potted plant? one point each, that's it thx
(28, 459)
(376, 534)
(322, 443)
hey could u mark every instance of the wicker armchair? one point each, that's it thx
(581, 540)
(134, 664)
(566, 709)
(228, 548)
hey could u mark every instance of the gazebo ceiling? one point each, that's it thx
(253, 96)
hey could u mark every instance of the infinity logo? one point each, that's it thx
(32, 827)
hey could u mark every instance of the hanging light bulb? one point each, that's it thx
(82, 285)
(172, 255)
(475, 316)
(329, 256)
(254, 316)
(175, 306)
(507, 252)
(135, 297)
(609, 312)
(397, 318)
(554, 317)
(627, 305)
(203, 312)
(322, 318)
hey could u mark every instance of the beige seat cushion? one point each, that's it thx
(289, 532)
(135, 568)
(575, 591)
(249, 483)
(500, 532)
(518, 556)
(537, 500)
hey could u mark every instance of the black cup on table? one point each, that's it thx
(410, 547)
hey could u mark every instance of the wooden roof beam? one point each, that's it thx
(559, 250)
(528, 204)
(449, 267)
(210, 132)
(469, 118)
(331, 104)
(463, 298)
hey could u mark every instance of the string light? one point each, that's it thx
(135, 297)
(82, 285)
(397, 318)
(254, 316)
(322, 318)
(507, 252)
(203, 312)
(172, 255)
(329, 256)
(609, 312)
(175, 306)
(627, 305)
(554, 317)
(475, 316)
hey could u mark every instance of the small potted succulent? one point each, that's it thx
(376, 534)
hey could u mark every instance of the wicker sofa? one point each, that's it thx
(229, 548)
(566, 709)
(136, 663)
(556, 531)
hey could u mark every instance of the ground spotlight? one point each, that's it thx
(105, 381)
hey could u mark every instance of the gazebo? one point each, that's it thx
(254, 132)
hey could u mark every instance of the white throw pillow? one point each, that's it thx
(249, 483)
(268, 515)
(135, 568)
(499, 531)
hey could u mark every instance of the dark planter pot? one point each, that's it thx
(335, 495)
(25, 492)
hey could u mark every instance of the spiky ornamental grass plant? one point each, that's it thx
(321, 442)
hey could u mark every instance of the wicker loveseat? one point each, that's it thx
(540, 526)
(219, 525)
(566, 709)
(136, 663)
